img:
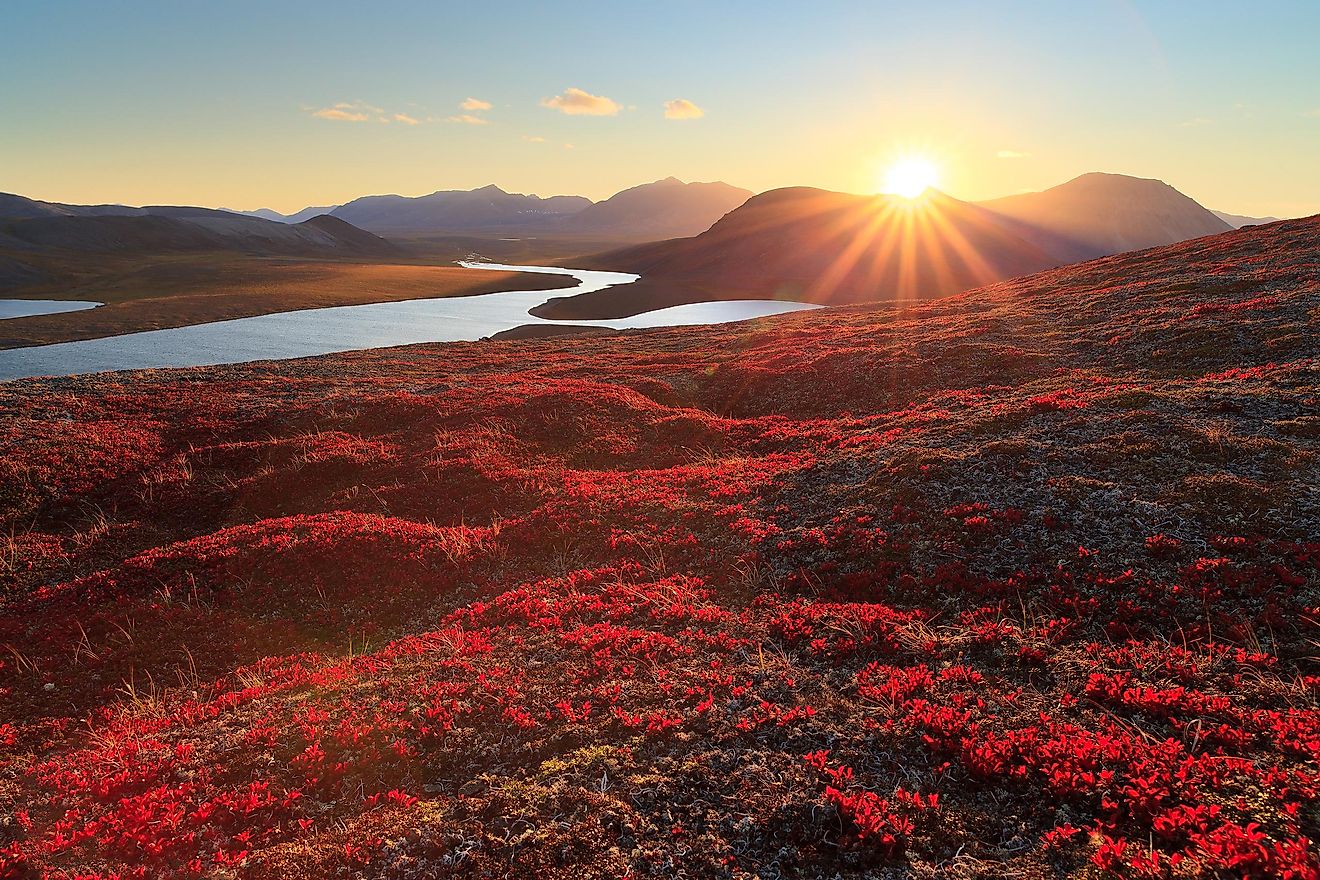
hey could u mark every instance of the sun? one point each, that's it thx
(910, 177)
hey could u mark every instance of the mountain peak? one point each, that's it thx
(1111, 180)
(666, 208)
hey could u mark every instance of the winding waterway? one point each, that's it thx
(311, 332)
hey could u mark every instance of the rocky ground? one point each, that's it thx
(1021, 583)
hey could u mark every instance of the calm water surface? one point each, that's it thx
(349, 328)
(26, 308)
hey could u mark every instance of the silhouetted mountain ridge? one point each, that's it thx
(663, 209)
(828, 247)
(458, 210)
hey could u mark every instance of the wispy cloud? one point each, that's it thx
(533, 139)
(1313, 114)
(1196, 122)
(361, 111)
(576, 102)
(467, 119)
(475, 104)
(341, 115)
(347, 111)
(682, 108)
(1012, 154)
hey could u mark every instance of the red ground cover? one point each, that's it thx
(1022, 583)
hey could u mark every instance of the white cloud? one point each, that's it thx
(1012, 154)
(406, 119)
(533, 139)
(1196, 122)
(475, 104)
(576, 102)
(682, 108)
(468, 119)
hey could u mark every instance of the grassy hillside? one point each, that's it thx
(1022, 583)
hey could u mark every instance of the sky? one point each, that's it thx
(287, 104)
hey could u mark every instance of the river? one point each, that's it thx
(309, 332)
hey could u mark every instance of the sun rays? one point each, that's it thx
(911, 249)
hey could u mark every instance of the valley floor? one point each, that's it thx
(159, 292)
(1020, 583)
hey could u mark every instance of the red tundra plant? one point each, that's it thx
(1037, 604)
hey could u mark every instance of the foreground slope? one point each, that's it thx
(1023, 583)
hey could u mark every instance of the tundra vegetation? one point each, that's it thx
(1023, 582)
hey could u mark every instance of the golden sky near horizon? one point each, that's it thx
(250, 106)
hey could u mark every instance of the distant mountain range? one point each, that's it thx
(458, 210)
(1237, 221)
(276, 216)
(827, 247)
(664, 209)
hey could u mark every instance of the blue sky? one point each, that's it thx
(218, 103)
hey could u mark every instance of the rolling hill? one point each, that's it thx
(668, 208)
(828, 247)
(47, 244)
(1018, 583)
(30, 225)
